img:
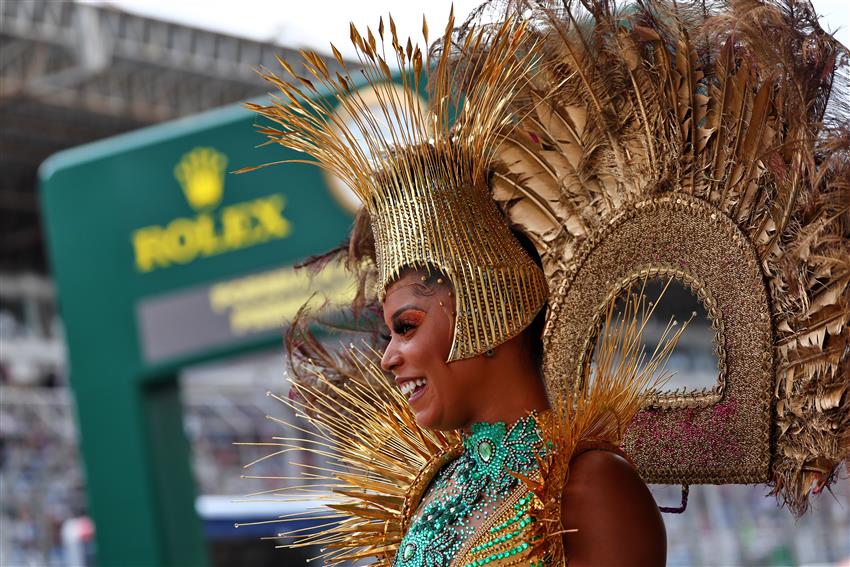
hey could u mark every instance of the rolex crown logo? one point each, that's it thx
(201, 174)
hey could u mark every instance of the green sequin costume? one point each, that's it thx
(413, 497)
(468, 497)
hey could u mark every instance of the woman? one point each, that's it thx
(461, 462)
(572, 126)
(605, 501)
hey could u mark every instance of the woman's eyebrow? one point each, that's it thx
(404, 308)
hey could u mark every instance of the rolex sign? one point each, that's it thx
(212, 230)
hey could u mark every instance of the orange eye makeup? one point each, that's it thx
(406, 319)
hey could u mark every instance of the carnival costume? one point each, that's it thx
(658, 140)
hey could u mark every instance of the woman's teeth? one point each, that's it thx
(407, 388)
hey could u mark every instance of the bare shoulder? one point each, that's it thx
(616, 517)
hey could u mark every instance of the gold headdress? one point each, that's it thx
(423, 175)
(665, 142)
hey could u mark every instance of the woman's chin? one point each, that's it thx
(429, 414)
(427, 418)
(424, 417)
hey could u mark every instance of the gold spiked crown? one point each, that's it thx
(422, 174)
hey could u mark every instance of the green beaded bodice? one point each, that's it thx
(468, 498)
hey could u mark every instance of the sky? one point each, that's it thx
(316, 23)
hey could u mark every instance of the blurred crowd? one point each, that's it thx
(41, 483)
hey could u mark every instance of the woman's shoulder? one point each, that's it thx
(615, 515)
(603, 464)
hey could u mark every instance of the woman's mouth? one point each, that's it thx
(412, 389)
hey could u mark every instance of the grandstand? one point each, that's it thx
(73, 73)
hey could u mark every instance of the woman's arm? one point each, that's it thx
(618, 522)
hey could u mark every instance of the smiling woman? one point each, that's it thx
(495, 399)
(503, 384)
(463, 300)
(459, 446)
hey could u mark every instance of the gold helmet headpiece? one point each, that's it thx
(422, 175)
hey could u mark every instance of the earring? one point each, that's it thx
(490, 353)
(441, 304)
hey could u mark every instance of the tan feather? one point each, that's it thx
(726, 109)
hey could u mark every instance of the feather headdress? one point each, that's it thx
(707, 143)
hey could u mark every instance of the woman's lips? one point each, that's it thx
(412, 388)
(417, 392)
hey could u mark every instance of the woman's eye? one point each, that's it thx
(407, 322)
(403, 328)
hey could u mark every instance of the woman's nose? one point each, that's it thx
(391, 358)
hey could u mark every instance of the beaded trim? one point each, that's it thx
(461, 502)
(494, 538)
(692, 241)
(423, 480)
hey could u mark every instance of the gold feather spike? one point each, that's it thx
(379, 462)
(709, 143)
(600, 408)
(422, 174)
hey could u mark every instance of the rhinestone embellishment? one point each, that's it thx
(470, 490)
(485, 450)
(409, 551)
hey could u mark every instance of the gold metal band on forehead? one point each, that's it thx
(422, 174)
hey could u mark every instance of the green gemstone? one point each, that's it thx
(486, 450)
(409, 551)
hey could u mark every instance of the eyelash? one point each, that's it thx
(403, 327)
(405, 324)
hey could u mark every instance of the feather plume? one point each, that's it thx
(737, 103)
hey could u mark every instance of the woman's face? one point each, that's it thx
(421, 324)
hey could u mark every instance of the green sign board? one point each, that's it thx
(162, 259)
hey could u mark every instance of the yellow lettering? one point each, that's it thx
(236, 226)
(208, 241)
(180, 241)
(147, 245)
(264, 301)
(269, 213)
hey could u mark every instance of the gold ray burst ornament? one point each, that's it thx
(422, 175)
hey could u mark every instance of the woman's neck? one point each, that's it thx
(514, 390)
